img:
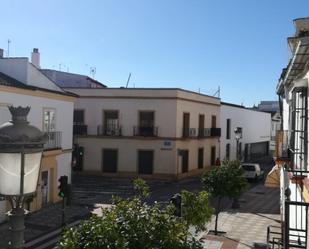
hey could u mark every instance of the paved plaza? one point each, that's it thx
(245, 227)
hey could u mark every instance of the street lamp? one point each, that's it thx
(21, 148)
(238, 136)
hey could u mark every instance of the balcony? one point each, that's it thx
(209, 132)
(189, 132)
(80, 129)
(295, 209)
(109, 131)
(145, 131)
(53, 140)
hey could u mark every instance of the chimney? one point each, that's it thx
(35, 57)
(1, 53)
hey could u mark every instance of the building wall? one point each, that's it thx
(56, 162)
(165, 113)
(167, 162)
(168, 105)
(256, 128)
(195, 109)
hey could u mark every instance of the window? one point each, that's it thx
(228, 128)
(111, 123)
(49, 120)
(227, 151)
(145, 161)
(299, 136)
(109, 162)
(200, 158)
(78, 117)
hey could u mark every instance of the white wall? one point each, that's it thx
(195, 109)
(256, 127)
(165, 113)
(64, 113)
(22, 70)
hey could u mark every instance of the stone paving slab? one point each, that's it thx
(248, 225)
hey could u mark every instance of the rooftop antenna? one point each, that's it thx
(128, 80)
(93, 71)
(218, 92)
(9, 41)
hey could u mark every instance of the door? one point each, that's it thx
(44, 187)
(110, 159)
(146, 123)
(186, 124)
(145, 162)
(213, 121)
(213, 155)
(201, 123)
(185, 161)
(200, 158)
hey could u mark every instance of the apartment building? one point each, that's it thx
(157, 133)
(22, 84)
(273, 108)
(291, 170)
(255, 129)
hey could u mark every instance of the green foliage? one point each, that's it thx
(195, 209)
(225, 181)
(228, 180)
(133, 224)
(141, 187)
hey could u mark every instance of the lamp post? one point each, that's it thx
(238, 136)
(21, 148)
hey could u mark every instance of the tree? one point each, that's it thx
(225, 181)
(134, 224)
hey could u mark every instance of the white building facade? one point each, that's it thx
(51, 111)
(255, 127)
(163, 133)
(292, 158)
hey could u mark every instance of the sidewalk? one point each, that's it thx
(246, 227)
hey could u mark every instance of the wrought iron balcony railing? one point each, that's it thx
(145, 131)
(189, 132)
(209, 132)
(114, 130)
(80, 129)
(53, 140)
(295, 210)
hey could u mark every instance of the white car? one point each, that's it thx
(252, 170)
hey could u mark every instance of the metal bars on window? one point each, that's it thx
(299, 137)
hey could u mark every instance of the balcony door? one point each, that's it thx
(49, 120)
(146, 123)
(111, 123)
(213, 121)
(78, 117)
(186, 124)
(201, 124)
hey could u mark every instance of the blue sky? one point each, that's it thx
(192, 44)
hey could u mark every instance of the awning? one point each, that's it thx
(273, 177)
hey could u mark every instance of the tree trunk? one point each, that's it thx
(217, 215)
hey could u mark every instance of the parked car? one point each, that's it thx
(252, 171)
